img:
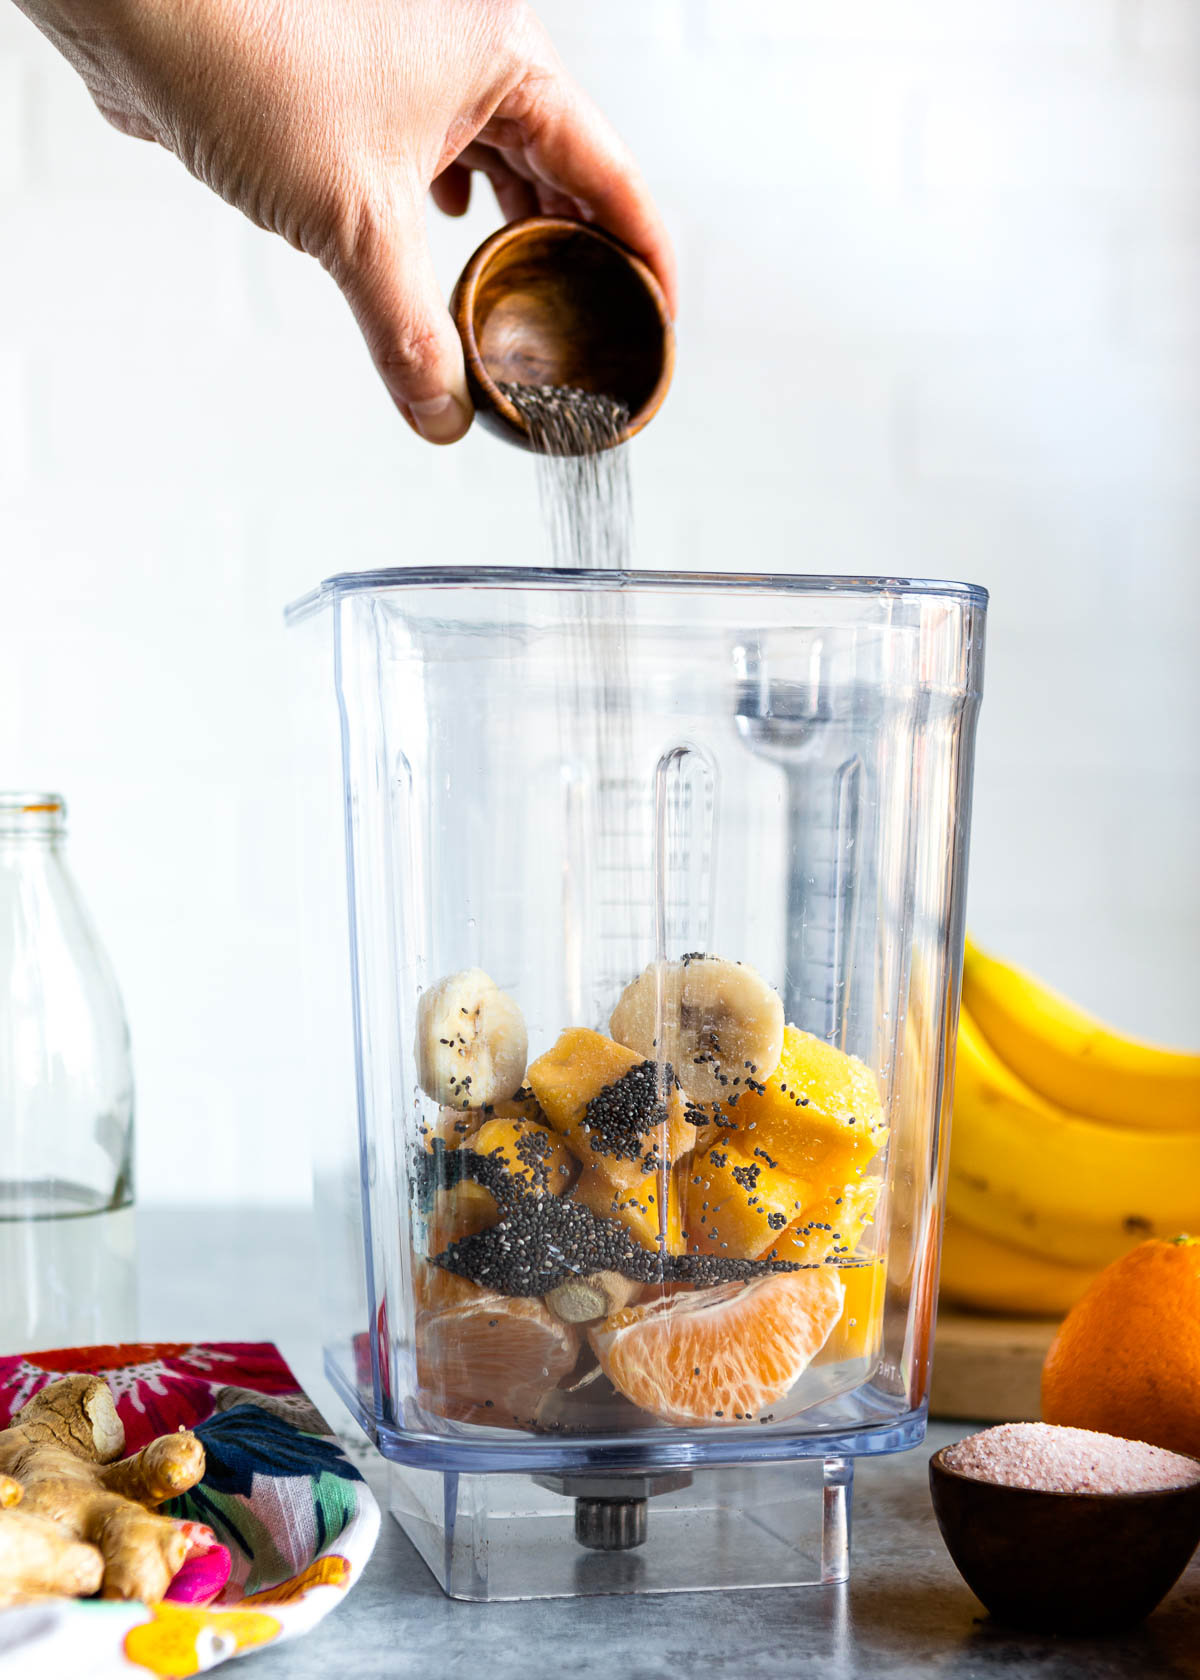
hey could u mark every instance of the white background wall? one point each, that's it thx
(940, 315)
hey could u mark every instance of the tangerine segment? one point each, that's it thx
(831, 1227)
(719, 1355)
(738, 1205)
(604, 1100)
(434, 1287)
(820, 1116)
(488, 1358)
(639, 1209)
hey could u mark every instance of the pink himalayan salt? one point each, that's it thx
(1053, 1459)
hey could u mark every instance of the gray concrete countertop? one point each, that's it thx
(905, 1612)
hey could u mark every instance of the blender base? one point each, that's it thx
(510, 1536)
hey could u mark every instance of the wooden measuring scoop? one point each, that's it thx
(549, 301)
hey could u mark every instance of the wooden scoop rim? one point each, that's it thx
(462, 306)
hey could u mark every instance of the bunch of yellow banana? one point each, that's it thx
(1070, 1145)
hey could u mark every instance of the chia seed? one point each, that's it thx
(619, 1118)
(541, 1240)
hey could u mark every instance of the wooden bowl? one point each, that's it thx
(549, 301)
(1065, 1562)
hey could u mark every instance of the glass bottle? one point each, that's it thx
(66, 1101)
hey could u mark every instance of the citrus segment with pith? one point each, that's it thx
(488, 1358)
(719, 1355)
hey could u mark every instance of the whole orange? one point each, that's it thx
(1126, 1359)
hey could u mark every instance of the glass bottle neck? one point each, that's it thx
(32, 818)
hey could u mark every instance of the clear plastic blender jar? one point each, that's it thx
(633, 927)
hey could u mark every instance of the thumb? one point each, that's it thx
(389, 282)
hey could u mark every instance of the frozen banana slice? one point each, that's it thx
(721, 1026)
(471, 1041)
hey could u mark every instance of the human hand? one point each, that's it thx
(328, 121)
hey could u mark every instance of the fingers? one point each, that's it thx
(551, 202)
(515, 192)
(451, 190)
(388, 279)
(573, 152)
(518, 191)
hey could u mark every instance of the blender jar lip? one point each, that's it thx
(571, 578)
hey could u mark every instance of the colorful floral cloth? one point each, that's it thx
(281, 1525)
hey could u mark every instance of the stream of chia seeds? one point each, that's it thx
(583, 472)
(584, 489)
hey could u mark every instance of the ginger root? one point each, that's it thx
(75, 1517)
(584, 1300)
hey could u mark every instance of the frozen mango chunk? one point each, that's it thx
(739, 1203)
(639, 1210)
(819, 1115)
(457, 1212)
(537, 1159)
(831, 1227)
(607, 1102)
(451, 1127)
(536, 1156)
(523, 1106)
